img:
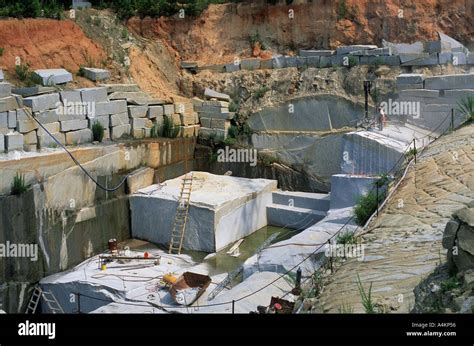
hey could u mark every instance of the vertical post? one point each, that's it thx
(78, 303)
(298, 279)
(452, 119)
(366, 94)
(233, 306)
(330, 257)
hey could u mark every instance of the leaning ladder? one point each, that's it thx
(179, 226)
(48, 297)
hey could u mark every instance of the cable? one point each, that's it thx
(74, 159)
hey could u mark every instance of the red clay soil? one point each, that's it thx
(45, 43)
(222, 32)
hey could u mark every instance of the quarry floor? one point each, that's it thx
(403, 245)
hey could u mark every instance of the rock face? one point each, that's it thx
(458, 239)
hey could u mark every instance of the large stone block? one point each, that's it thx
(2, 142)
(459, 94)
(205, 122)
(135, 98)
(51, 127)
(419, 93)
(459, 58)
(137, 111)
(386, 51)
(33, 91)
(97, 94)
(5, 89)
(45, 117)
(279, 62)
(2, 77)
(449, 235)
(266, 64)
(96, 74)
(205, 132)
(119, 119)
(45, 140)
(42, 102)
(139, 179)
(301, 62)
(24, 126)
(314, 52)
(154, 112)
(212, 94)
(409, 78)
(70, 96)
(65, 114)
(111, 88)
(291, 61)
(325, 61)
(429, 60)
(141, 123)
(72, 125)
(10, 103)
(187, 119)
(11, 119)
(313, 61)
(13, 141)
(411, 57)
(120, 131)
(112, 107)
(79, 137)
(433, 47)
(250, 64)
(4, 119)
(186, 131)
(168, 109)
(403, 48)
(445, 58)
(220, 124)
(30, 138)
(409, 86)
(348, 49)
(460, 81)
(54, 76)
(104, 120)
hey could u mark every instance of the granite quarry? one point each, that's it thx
(151, 193)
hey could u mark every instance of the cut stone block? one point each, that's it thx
(212, 109)
(5, 89)
(112, 107)
(406, 58)
(205, 132)
(429, 60)
(409, 86)
(10, 103)
(112, 88)
(313, 61)
(445, 58)
(470, 58)
(45, 117)
(2, 142)
(155, 111)
(70, 96)
(215, 103)
(24, 126)
(220, 124)
(2, 77)
(33, 91)
(250, 64)
(52, 128)
(403, 48)
(42, 102)
(433, 47)
(409, 78)
(393, 60)
(30, 138)
(137, 111)
(79, 137)
(279, 62)
(65, 114)
(419, 93)
(96, 74)
(139, 179)
(54, 76)
(104, 120)
(4, 119)
(460, 81)
(459, 94)
(312, 52)
(119, 131)
(141, 123)
(325, 61)
(186, 131)
(97, 94)
(266, 64)
(301, 62)
(135, 98)
(45, 141)
(212, 94)
(119, 119)
(205, 122)
(13, 141)
(386, 51)
(138, 133)
(232, 67)
(187, 119)
(72, 125)
(450, 44)
(347, 49)
(168, 109)
(291, 61)
(11, 119)
(459, 58)
(183, 108)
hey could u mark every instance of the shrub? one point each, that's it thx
(22, 71)
(366, 298)
(342, 9)
(124, 34)
(19, 186)
(81, 72)
(98, 131)
(466, 107)
(1, 51)
(260, 92)
(450, 284)
(233, 106)
(169, 129)
(345, 238)
(233, 131)
(365, 207)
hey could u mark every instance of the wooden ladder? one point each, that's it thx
(48, 297)
(181, 216)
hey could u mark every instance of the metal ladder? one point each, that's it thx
(48, 297)
(179, 226)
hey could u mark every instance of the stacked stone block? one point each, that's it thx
(214, 116)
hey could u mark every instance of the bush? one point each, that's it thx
(169, 129)
(466, 107)
(233, 131)
(260, 92)
(98, 131)
(19, 186)
(342, 9)
(345, 238)
(81, 72)
(1, 51)
(25, 75)
(365, 207)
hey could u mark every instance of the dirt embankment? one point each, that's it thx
(222, 32)
(45, 43)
